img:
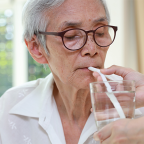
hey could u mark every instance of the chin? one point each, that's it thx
(84, 83)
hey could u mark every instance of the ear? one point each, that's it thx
(36, 51)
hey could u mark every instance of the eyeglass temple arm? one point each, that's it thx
(47, 33)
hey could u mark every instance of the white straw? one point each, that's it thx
(110, 94)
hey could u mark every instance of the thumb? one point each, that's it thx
(104, 133)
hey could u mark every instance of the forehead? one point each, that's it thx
(76, 11)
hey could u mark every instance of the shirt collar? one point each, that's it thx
(33, 103)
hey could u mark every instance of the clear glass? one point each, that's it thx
(103, 108)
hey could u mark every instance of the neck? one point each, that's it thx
(72, 104)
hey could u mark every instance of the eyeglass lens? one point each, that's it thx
(76, 38)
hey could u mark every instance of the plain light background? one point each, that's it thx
(123, 51)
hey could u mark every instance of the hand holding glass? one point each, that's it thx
(103, 108)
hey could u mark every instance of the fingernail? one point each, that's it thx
(94, 74)
(95, 136)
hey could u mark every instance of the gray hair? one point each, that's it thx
(35, 18)
(106, 10)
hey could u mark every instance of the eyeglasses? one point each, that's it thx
(74, 39)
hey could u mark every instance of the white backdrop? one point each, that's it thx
(123, 51)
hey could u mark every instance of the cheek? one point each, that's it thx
(59, 69)
(60, 63)
(103, 53)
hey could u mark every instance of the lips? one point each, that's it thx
(98, 67)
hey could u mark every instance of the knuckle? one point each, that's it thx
(129, 70)
(113, 66)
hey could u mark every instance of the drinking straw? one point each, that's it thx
(111, 96)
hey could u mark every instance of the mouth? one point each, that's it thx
(86, 68)
(98, 67)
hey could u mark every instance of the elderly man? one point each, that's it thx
(69, 36)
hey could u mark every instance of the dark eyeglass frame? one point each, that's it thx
(61, 34)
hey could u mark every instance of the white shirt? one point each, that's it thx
(29, 115)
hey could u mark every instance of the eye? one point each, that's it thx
(70, 37)
(73, 35)
(99, 34)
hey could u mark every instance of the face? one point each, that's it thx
(71, 67)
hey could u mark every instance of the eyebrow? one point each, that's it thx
(101, 20)
(77, 24)
(70, 24)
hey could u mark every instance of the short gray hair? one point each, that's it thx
(106, 10)
(35, 18)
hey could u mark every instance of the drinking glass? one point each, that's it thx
(105, 111)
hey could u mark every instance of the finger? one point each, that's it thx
(104, 133)
(104, 115)
(99, 78)
(107, 141)
(96, 74)
(95, 136)
(118, 70)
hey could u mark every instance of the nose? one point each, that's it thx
(90, 48)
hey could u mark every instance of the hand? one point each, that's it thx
(127, 74)
(124, 131)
